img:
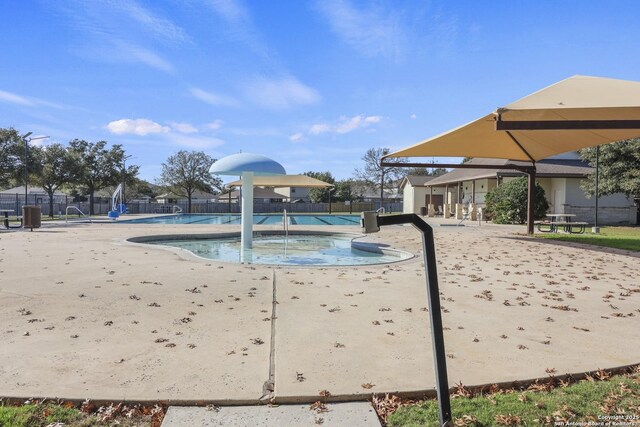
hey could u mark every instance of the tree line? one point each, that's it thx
(84, 168)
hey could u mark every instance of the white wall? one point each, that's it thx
(408, 205)
(417, 197)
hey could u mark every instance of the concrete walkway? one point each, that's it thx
(86, 315)
(359, 414)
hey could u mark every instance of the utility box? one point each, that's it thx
(31, 217)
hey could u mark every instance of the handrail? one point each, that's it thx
(176, 209)
(66, 213)
(116, 197)
(285, 224)
(381, 210)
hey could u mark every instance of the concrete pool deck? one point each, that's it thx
(86, 315)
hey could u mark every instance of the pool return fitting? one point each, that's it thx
(371, 223)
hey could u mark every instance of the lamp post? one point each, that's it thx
(27, 139)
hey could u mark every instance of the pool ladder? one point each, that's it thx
(285, 224)
(75, 208)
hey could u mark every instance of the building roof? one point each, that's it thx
(258, 193)
(284, 181)
(416, 180)
(550, 168)
(30, 190)
(195, 195)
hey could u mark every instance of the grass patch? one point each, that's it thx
(581, 402)
(627, 238)
(52, 414)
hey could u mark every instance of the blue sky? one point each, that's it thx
(312, 84)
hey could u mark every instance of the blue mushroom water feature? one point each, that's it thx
(246, 165)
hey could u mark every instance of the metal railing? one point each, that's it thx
(381, 210)
(285, 224)
(176, 209)
(66, 214)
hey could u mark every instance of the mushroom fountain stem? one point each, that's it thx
(246, 237)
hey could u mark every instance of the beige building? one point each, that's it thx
(559, 176)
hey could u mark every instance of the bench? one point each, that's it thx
(569, 227)
(549, 224)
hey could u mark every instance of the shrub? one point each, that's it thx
(507, 203)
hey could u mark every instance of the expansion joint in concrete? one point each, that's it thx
(269, 386)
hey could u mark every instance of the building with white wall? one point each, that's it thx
(559, 176)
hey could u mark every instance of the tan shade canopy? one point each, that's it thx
(576, 98)
(284, 181)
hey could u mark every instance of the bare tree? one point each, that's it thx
(374, 174)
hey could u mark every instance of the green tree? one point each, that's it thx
(346, 190)
(619, 167)
(10, 142)
(97, 166)
(319, 195)
(12, 157)
(507, 203)
(187, 171)
(57, 168)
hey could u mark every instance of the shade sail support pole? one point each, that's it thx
(515, 141)
(531, 192)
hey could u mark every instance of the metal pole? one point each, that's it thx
(435, 313)
(596, 229)
(26, 176)
(382, 188)
(532, 197)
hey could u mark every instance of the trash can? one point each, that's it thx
(31, 217)
(423, 211)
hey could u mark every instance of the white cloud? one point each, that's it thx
(345, 125)
(373, 32)
(296, 137)
(27, 101)
(155, 25)
(279, 94)
(183, 127)
(319, 128)
(140, 127)
(108, 27)
(133, 53)
(215, 125)
(413, 117)
(213, 98)
(14, 98)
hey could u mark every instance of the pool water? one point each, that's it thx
(297, 249)
(276, 219)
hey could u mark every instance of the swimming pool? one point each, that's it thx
(258, 219)
(273, 248)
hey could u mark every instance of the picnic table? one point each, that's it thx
(564, 221)
(6, 216)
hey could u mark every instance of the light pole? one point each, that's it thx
(27, 139)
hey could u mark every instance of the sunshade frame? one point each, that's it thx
(575, 113)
